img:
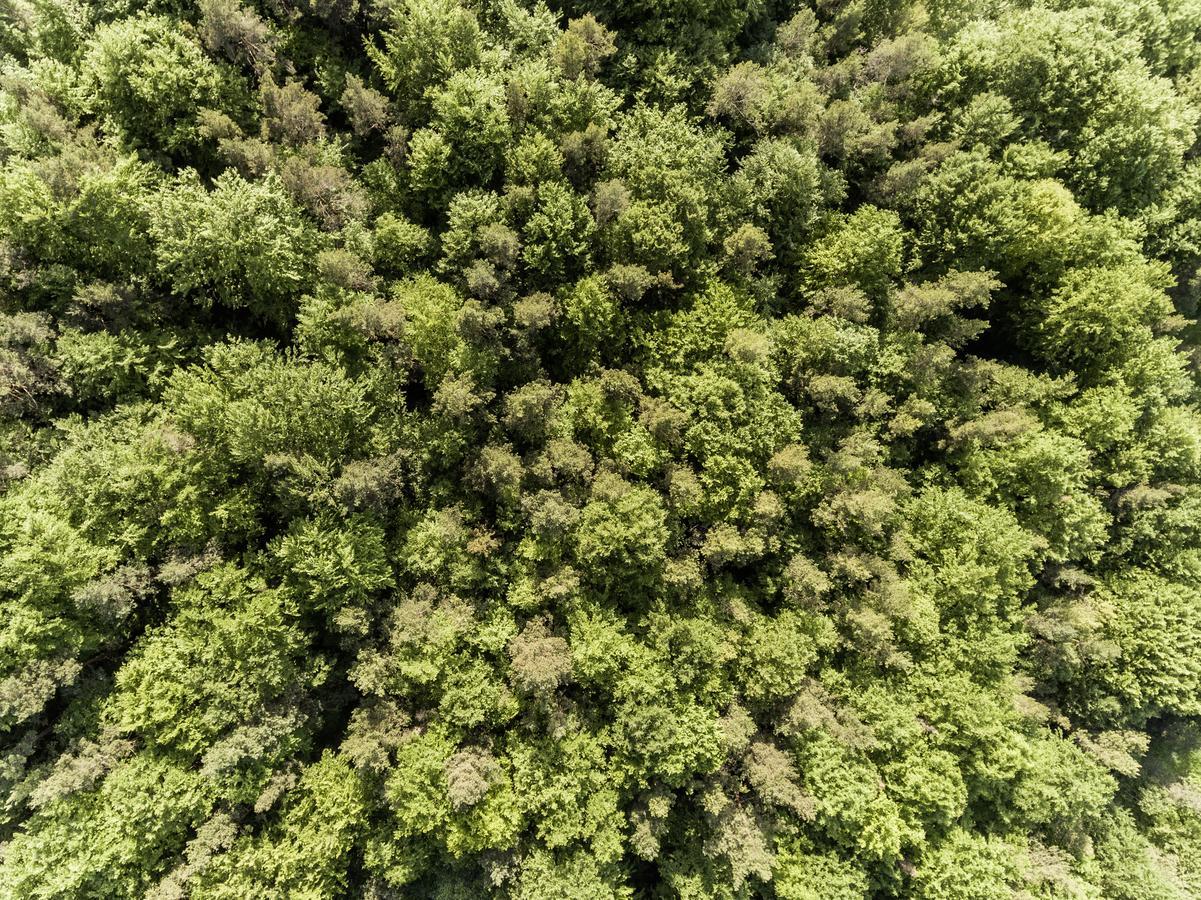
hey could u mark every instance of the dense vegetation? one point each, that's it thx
(635, 449)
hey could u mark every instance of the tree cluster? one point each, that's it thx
(627, 450)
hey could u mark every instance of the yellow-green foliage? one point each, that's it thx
(609, 450)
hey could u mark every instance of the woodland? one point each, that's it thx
(600, 449)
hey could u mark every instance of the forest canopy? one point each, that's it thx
(615, 450)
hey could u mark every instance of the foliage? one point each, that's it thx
(607, 450)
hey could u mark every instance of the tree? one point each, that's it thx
(243, 244)
(147, 80)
